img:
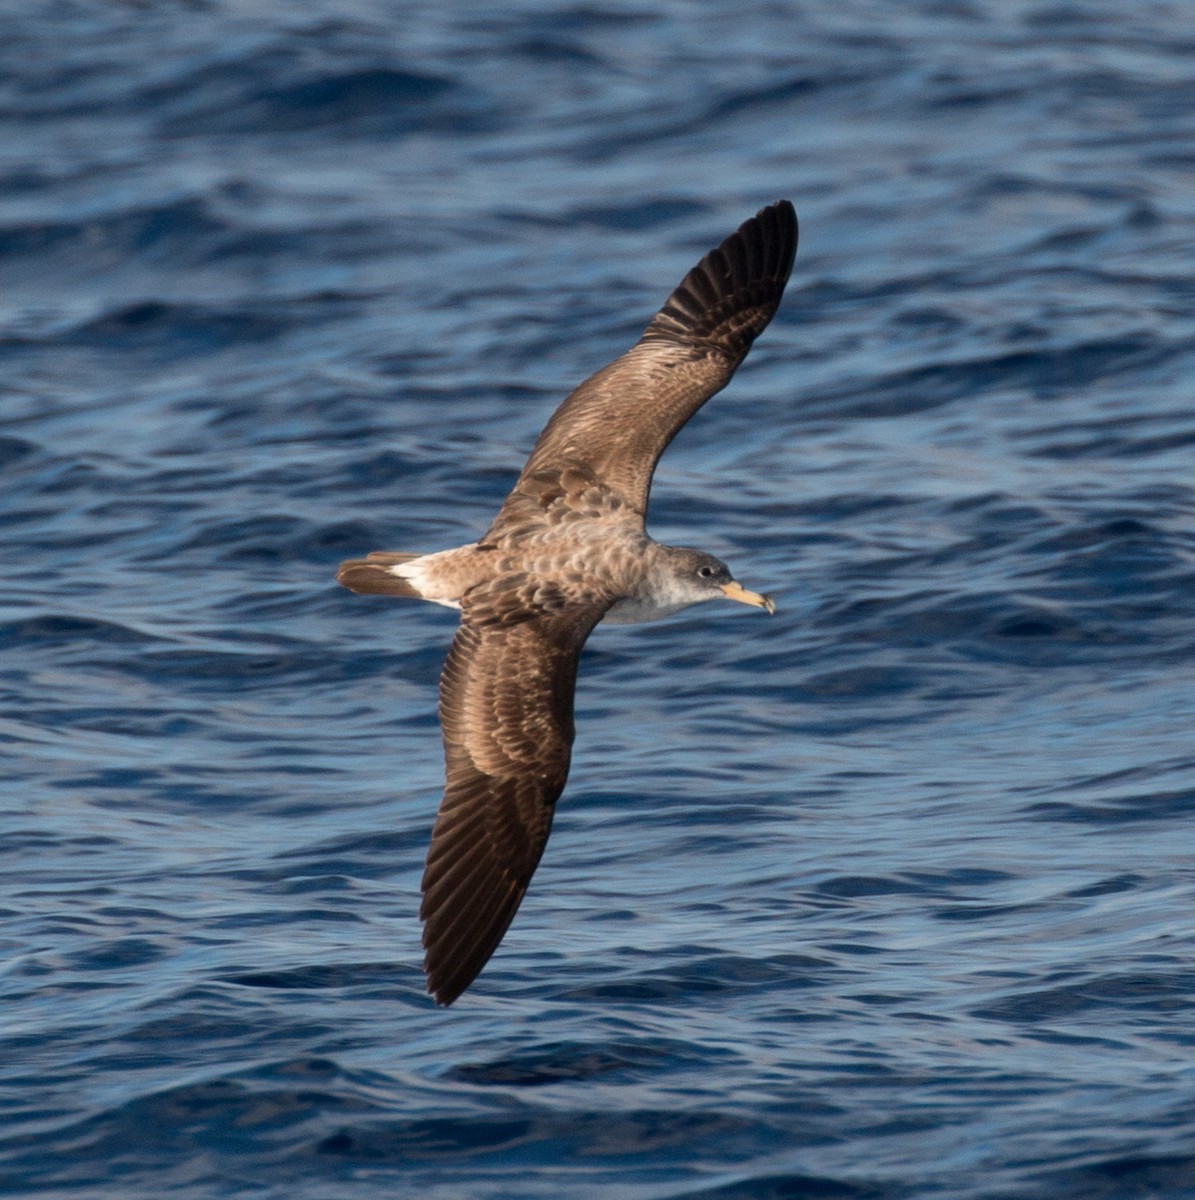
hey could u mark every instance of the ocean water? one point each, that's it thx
(888, 896)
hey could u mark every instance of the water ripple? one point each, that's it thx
(884, 897)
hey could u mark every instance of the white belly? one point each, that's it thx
(635, 612)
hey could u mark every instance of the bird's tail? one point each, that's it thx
(373, 575)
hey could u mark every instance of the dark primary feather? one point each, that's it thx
(618, 422)
(506, 707)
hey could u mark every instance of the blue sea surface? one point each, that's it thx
(891, 895)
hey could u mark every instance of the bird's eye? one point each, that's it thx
(707, 572)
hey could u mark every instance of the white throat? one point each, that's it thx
(665, 592)
(636, 611)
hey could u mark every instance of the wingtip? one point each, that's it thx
(448, 981)
(444, 997)
(783, 208)
(465, 916)
(783, 215)
(729, 297)
(441, 984)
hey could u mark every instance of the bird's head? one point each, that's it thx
(699, 576)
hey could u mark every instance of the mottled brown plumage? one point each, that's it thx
(567, 549)
(619, 421)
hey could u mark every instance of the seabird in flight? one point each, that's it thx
(567, 549)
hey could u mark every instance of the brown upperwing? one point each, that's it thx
(618, 422)
(506, 707)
